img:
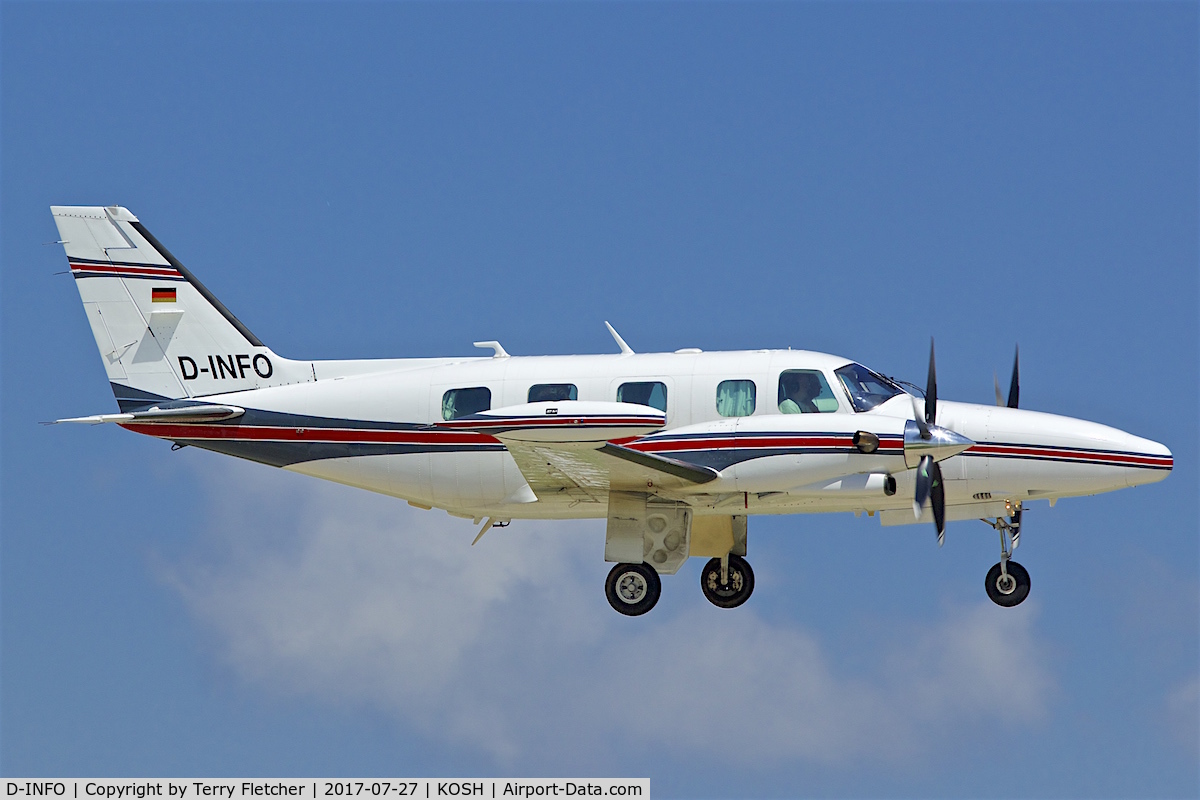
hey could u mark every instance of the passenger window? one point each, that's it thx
(650, 393)
(804, 391)
(464, 402)
(550, 392)
(735, 398)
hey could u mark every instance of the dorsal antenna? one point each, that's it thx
(625, 349)
(497, 350)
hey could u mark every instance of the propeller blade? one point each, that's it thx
(1014, 388)
(937, 497)
(931, 390)
(917, 418)
(924, 484)
(930, 488)
(999, 397)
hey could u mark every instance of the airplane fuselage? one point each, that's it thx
(374, 425)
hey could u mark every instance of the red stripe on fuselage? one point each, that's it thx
(834, 442)
(1038, 452)
(277, 434)
(895, 447)
(743, 443)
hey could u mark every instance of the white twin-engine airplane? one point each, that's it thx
(676, 450)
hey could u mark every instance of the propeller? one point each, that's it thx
(929, 485)
(1014, 388)
(929, 475)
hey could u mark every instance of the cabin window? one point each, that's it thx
(805, 391)
(464, 402)
(648, 393)
(552, 392)
(735, 398)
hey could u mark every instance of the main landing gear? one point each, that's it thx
(633, 589)
(1007, 583)
(728, 582)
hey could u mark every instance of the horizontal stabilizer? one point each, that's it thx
(186, 414)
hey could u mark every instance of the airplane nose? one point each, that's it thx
(1104, 458)
(1150, 462)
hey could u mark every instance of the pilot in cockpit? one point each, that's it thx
(799, 390)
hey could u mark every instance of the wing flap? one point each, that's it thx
(562, 470)
(586, 472)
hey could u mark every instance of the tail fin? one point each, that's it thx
(162, 335)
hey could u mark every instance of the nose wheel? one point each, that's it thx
(1007, 584)
(633, 589)
(727, 585)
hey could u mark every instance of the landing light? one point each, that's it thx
(866, 442)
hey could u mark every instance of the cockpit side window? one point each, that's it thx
(866, 388)
(649, 393)
(805, 391)
(464, 402)
(552, 392)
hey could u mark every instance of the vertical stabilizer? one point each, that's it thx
(161, 333)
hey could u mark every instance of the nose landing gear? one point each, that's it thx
(1007, 582)
(728, 584)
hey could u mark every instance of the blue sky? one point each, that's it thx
(371, 180)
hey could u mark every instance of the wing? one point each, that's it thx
(586, 472)
(565, 448)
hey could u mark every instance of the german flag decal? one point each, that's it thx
(162, 295)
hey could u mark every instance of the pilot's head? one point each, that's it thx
(808, 385)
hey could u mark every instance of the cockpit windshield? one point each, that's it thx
(866, 389)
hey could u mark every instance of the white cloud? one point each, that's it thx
(320, 591)
(1183, 715)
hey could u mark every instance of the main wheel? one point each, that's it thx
(633, 589)
(1007, 591)
(733, 593)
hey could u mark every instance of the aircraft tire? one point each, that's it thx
(633, 589)
(733, 594)
(1015, 595)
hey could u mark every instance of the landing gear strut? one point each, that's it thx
(728, 582)
(633, 589)
(1007, 583)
